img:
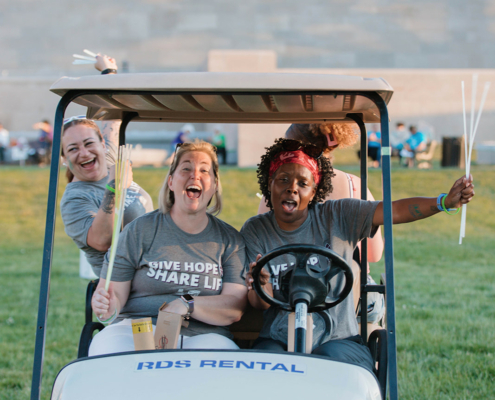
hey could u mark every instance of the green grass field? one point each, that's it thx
(444, 292)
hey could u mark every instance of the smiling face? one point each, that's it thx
(292, 188)
(193, 183)
(84, 153)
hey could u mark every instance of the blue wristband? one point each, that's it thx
(439, 201)
(440, 206)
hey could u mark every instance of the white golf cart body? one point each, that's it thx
(221, 98)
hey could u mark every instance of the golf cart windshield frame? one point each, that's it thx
(375, 97)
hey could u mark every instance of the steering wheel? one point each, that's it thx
(307, 275)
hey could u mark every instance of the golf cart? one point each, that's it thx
(233, 98)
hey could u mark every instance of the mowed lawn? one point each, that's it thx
(445, 293)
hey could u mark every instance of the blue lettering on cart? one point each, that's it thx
(226, 364)
(281, 367)
(293, 369)
(167, 364)
(208, 363)
(148, 365)
(217, 364)
(182, 364)
(263, 364)
(250, 366)
(163, 365)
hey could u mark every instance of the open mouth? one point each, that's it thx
(289, 205)
(88, 164)
(193, 191)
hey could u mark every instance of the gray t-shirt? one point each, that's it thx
(336, 224)
(163, 262)
(80, 204)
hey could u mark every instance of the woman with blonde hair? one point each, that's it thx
(180, 254)
(331, 137)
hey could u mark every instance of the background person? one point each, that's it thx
(45, 139)
(330, 137)
(414, 144)
(397, 139)
(374, 146)
(181, 137)
(219, 142)
(295, 179)
(180, 249)
(4, 143)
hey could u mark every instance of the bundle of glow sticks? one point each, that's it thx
(89, 59)
(472, 133)
(121, 183)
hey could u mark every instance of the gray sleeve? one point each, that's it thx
(234, 261)
(253, 246)
(78, 210)
(355, 218)
(128, 254)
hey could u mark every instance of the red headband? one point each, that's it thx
(295, 157)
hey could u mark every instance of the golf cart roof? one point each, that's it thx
(227, 97)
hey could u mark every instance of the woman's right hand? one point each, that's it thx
(104, 303)
(264, 276)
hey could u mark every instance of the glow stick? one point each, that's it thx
(89, 53)
(471, 143)
(83, 57)
(80, 62)
(121, 183)
(466, 144)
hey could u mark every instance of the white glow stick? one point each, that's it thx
(121, 183)
(83, 57)
(471, 143)
(89, 53)
(466, 144)
(81, 62)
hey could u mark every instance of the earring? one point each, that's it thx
(64, 164)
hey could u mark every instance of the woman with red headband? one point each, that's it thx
(331, 137)
(295, 178)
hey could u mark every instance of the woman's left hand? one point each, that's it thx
(104, 62)
(176, 307)
(461, 193)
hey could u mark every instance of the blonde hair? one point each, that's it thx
(166, 197)
(344, 134)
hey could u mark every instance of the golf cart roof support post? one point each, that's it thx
(128, 117)
(51, 211)
(389, 246)
(363, 298)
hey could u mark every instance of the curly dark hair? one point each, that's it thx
(324, 166)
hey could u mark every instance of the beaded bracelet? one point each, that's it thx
(110, 188)
(445, 209)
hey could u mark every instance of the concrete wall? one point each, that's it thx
(39, 37)
(428, 98)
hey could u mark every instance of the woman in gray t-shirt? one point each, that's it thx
(180, 254)
(294, 179)
(88, 205)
